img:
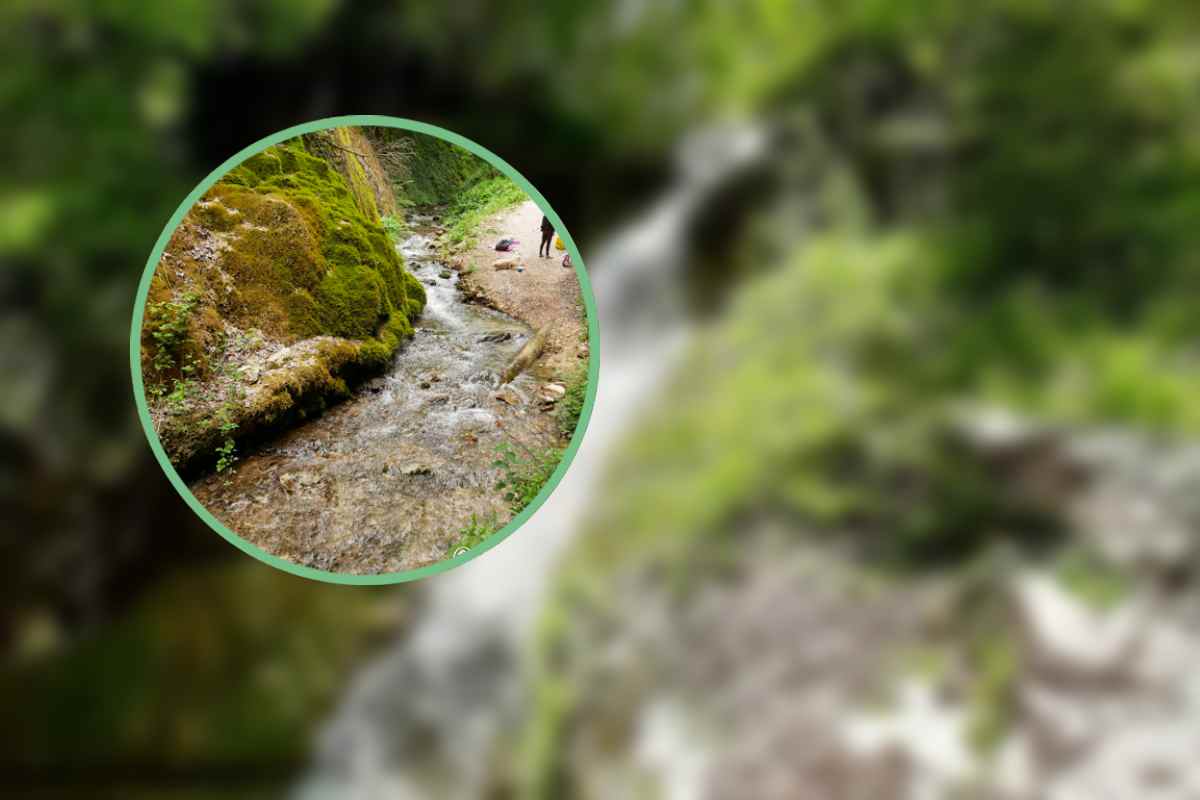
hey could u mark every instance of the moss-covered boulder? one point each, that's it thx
(287, 247)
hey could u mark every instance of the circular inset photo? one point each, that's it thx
(364, 349)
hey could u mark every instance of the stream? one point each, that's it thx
(423, 718)
(385, 481)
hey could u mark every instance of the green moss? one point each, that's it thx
(308, 255)
(215, 216)
(307, 229)
(350, 301)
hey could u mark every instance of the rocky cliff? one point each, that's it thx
(279, 288)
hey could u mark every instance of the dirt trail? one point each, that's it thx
(543, 293)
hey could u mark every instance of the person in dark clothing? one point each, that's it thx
(547, 236)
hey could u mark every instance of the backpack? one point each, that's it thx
(504, 245)
(566, 262)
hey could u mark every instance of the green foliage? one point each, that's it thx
(315, 252)
(571, 405)
(227, 450)
(167, 326)
(426, 170)
(476, 204)
(474, 533)
(524, 473)
(198, 684)
(226, 454)
(395, 228)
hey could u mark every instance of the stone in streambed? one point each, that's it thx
(552, 392)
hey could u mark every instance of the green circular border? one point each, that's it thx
(139, 308)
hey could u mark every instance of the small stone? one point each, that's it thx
(416, 469)
(444, 274)
(431, 282)
(251, 375)
(426, 384)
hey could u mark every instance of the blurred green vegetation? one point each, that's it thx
(1013, 223)
(219, 665)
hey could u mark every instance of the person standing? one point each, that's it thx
(547, 237)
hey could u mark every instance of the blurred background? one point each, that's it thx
(890, 489)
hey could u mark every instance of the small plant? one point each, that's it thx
(181, 390)
(523, 474)
(227, 450)
(394, 227)
(474, 533)
(571, 405)
(167, 323)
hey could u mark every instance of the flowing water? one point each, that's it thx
(420, 720)
(384, 481)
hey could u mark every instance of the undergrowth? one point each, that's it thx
(523, 474)
(474, 533)
(571, 405)
(474, 205)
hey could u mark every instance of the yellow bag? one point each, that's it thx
(558, 243)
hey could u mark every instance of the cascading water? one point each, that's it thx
(418, 721)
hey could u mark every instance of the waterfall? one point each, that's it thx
(418, 721)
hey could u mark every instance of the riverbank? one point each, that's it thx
(392, 478)
(543, 294)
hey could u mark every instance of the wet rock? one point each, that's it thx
(426, 384)
(444, 274)
(499, 336)
(551, 393)
(431, 282)
(1066, 639)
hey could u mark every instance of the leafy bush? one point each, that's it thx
(167, 326)
(474, 205)
(524, 474)
(571, 405)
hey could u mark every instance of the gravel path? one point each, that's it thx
(544, 293)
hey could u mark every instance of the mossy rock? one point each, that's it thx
(289, 243)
